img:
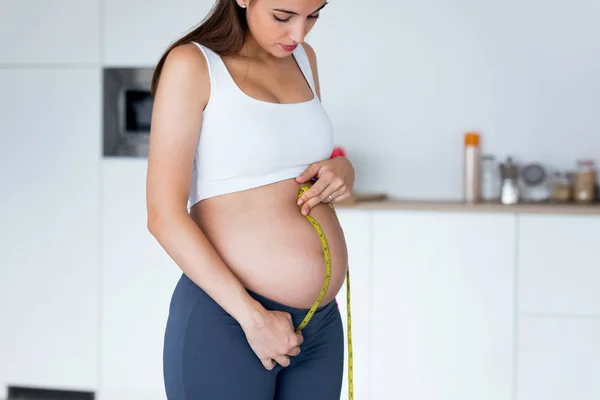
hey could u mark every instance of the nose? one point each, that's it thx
(297, 32)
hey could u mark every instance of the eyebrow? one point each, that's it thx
(295, 13)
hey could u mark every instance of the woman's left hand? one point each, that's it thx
(335, 178)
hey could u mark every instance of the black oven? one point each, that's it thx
(127, 111)
(135, 112)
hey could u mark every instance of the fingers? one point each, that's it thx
(338, 192)
(296, 349)
(294, 352)
(321, 192)
(283, 360)
(294, 342)
(308, 173)
(300, 338)
(334, 177)
(271, 350)
(269, 364)
(313, 191)
(339, 195)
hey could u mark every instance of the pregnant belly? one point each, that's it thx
(271, 247)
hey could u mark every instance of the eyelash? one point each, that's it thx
(286, 20)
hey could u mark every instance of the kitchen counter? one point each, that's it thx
(543, 208)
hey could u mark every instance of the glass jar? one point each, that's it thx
(562, 188)
(584, 181)
(490, 179)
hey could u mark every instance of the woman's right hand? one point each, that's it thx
(272, 337)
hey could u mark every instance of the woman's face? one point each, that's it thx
(279, 26)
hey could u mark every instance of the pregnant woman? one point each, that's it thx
(238, 133)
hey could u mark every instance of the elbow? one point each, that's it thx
(155, 221)
(164, 212)
(152, 224)
(159, 220)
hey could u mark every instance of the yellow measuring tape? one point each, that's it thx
(314, 307)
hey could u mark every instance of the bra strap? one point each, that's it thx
(304, 63)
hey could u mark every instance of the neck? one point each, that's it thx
(252, 49)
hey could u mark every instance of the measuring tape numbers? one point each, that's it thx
(311, 311)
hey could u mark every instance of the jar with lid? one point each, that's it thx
(562, 188)
(584, 181)
(490, 178)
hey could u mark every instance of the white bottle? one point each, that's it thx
(471, 168)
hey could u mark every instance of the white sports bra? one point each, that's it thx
(245, 143)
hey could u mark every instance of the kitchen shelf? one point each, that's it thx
(537, 208)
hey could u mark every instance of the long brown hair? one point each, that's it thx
(223, 31)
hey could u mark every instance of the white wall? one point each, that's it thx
(403, 80)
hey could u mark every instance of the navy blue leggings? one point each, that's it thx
(207, 357)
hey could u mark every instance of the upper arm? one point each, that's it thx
(312, 58)
(180, 99)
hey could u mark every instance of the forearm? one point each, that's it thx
(187, 245)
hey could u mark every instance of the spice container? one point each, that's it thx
(490, 188)
(562, 188)
(584, 182)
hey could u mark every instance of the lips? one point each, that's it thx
(289, 48)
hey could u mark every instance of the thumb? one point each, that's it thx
(309, 173)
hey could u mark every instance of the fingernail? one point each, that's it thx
(300, 202)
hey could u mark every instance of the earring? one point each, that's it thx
(243, 5)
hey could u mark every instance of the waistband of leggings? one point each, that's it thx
(293, 311)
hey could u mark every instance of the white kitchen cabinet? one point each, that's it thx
(357, 226)
(130, 40)
(559, 358)
(50, 238)
(50, 32)
(443, 307)
(559, 264)
(138, 278)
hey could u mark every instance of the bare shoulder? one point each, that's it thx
(187, 55)
(185, 65)
(312, 58)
